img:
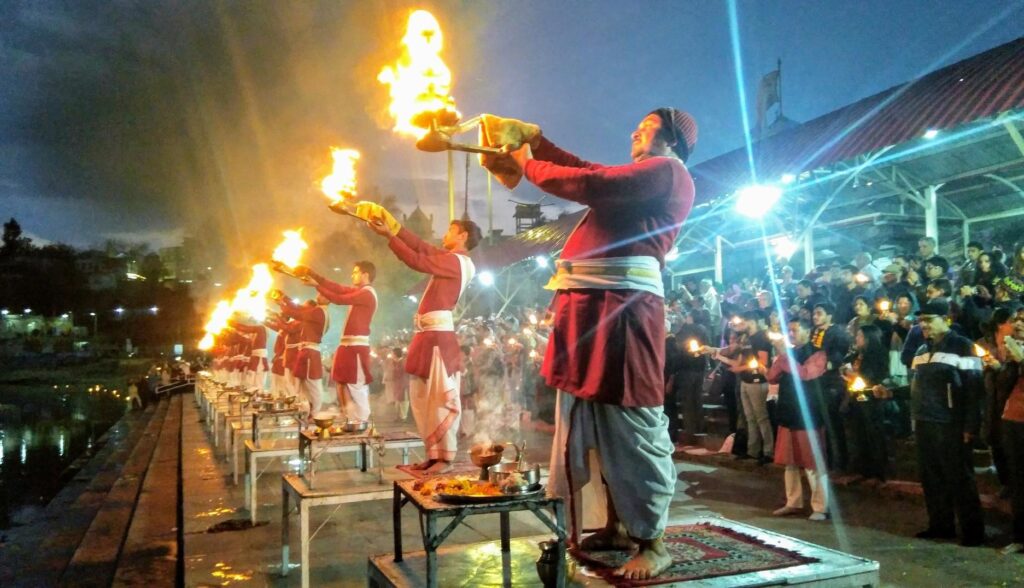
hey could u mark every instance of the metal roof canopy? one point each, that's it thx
(869, 161)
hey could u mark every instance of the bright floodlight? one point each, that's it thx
(787, 179)
(931, 134)
(486, 278)
(542, 261)
(64, 316)
(119, 310)
(784, 247)
(4, 312)
(28, 311)
(755, 201)
(673, 254)
(154, 309)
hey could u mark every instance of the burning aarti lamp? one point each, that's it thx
(442, 126)
(858, 388)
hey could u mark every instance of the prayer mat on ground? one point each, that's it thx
(699, 552)
(459, 469)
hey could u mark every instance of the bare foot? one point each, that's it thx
(423, 465)
(652, 559)
(440, 467)
(612, 538)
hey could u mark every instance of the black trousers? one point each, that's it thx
(1013, 444)
(835, 431)
(690, 393)
(864, 421)
(946, 468)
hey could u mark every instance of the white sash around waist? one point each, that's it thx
(639, 272)
(259, 352)
(435, 320)
(292, 345)
(311, 346)
(355, 340)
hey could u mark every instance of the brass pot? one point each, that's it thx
(498, 474)
(485, 455)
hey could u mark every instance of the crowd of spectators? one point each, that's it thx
(861, 352)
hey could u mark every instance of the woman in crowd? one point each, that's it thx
(986, 274)
(999, 376)
(864, 413)
(864, 314)
(1013, 431)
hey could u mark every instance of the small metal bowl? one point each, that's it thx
(355, 426)
(486, 455)
(497, 474)
(323, 422)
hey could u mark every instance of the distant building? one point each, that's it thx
(420, 223)
(102, 272)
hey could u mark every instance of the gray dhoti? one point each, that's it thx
(626, 448)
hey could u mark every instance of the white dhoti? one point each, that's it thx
(437, 409)
(355, 398)
(258, 377)
(278, 386)
(626, 448)
(291, 383)
(312, 390)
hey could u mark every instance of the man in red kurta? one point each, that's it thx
(307, 369)
(256, 362)
(435, 360)
(278, 386)
(351, 370)
(606, 351)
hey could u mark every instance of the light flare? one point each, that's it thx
(419, 81)
(289, 252)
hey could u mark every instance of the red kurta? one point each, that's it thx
(257, 335)
(609, 345)
(312, 325)
(442, 293)
(277, 365)
(363, 303)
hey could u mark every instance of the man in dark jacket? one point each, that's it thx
(946, 391)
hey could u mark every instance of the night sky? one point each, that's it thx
(149, 120)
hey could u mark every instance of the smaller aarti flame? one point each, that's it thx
(884, 306)
(340, 185)
(753, 364)
(289, 252)
(858, 385)
(980, 351)
(694, 346)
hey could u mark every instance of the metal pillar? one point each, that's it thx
(719, 278)
(451, 187)
(808, 250)
(966, 232)
(931, 212)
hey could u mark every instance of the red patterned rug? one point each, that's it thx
(460, 469)
(698, 552)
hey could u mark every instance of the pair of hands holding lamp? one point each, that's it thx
(517, 140)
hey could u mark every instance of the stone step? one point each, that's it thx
(37, 554)
(95, 560)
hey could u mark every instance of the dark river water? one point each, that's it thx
(43, 430)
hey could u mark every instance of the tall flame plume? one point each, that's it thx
(289, 252)
(420, 82)
(252, 300)
(341, 184)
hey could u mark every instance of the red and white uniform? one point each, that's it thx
(351, 370)
(277, 381)
(435, 360)
(606, 353)
(307, 368)
(257, 361)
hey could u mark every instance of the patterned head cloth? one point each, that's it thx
(682, 128)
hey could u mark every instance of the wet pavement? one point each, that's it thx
(865, 525)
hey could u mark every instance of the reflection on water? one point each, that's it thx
(42, 433)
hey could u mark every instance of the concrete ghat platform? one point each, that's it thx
(480, 564)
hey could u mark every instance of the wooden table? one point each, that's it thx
(334, 488)
(431, 511)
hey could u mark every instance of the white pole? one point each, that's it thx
(719, 274)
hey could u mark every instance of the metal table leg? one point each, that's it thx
(285, 547)
(431, 550)
(304, 538)
(506, 549)
(559, 508)
(252, 475)
(396, 522)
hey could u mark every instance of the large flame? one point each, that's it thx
(341, 184)
(206, 343)
(252, 300)
(420, 81)
(219, 319)
(289, 252)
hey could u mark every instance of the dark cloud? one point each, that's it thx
(130, 117)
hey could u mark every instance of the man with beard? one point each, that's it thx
(946, 397)
(606, 353)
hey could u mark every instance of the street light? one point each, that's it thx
(542, 261)
(119, 310)
(486, 278)
(154, 309)
(5, 312)
(28, 311)
(756, 200)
